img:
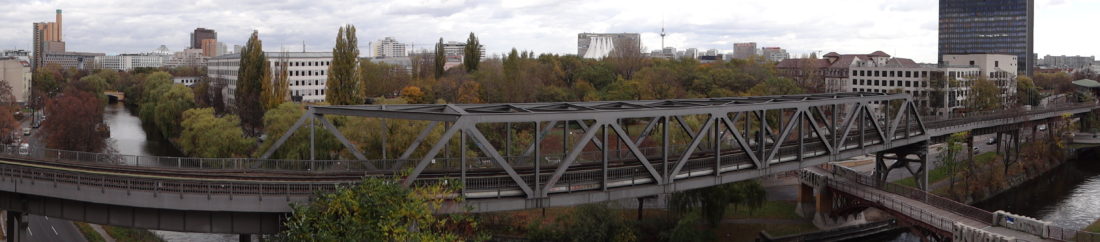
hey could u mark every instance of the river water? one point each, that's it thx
(129, 137)
(1067, 196)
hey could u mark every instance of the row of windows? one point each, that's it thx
(309, 63)
(307, 73)
(307, 82)
(910, 74)
(913, 93)
(307, 92)
(890, 83)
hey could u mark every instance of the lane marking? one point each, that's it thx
(47, 217)
(54, 230)
(29, 231)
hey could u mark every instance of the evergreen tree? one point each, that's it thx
(472, 54)
(342, 87)
(250, 84)
(440, 59)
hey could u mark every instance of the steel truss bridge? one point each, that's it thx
(507, 156)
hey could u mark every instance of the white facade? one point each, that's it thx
(187, 80)
(307, 72)
(388, 47)
(17, 74)
(774, 54)
(187, 57)
(920, 82)
(126, 62)
(1001, 69)
(454, 51)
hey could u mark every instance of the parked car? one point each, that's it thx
(24, 149)
(991, 141)
(26, 131)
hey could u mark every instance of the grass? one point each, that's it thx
(122, 234)
(770, 210)
(941, 172)
(1094, 227)
(89, 233)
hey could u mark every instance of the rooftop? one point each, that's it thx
(1086, 83)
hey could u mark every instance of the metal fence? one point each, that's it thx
(1054, 232)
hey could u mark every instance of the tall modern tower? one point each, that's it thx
(989, 27)
(47, 39)
(201, 34)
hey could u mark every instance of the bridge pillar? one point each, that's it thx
(14, 225)
(245, 238)
(806, 200)
(824, 201)
(904, 157)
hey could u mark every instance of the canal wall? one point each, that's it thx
(1014, 181)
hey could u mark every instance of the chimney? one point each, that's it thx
(59, 25)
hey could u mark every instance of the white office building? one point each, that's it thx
(307, 72)
(126, 62)
(455, 51)
(388, 47)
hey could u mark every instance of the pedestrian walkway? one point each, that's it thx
(942, 219)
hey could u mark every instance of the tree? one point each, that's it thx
(253, 66)
(775, 86)
(278, 120)
(380, 79)
(712, 202)
(984, 96)
(342, 85)
(471, 54)
(76, 122)
(949, 156)
(175, 99)
(205, 135)
(440, 59)
(277, 89)
(413, 94)
(468, 92)
(1027, 93)
(379, 209)
(8, 106)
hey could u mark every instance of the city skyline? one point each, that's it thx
(902, 28)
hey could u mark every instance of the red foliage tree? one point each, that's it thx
(75, 122)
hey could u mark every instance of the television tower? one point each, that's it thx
(663, 35)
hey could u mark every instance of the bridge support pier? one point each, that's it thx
(806, 200)
(14, 225)
(904, 157)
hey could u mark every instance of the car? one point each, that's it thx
(991, 141)
(24, 149)
(1042, 127)
(26, 131)
(976, 151)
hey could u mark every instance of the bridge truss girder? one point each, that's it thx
(678, 141)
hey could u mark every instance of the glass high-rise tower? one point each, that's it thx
(989, 27)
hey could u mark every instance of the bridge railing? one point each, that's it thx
(1016, 112)
(1054, 232)
(915, 194)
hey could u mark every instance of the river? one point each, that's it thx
(1067, 196)
(129, 137)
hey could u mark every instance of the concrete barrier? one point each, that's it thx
(962, 232)
(1021, 223)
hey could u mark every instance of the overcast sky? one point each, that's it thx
(903, 28)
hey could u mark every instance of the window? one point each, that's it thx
(996, 63)
(971, 63)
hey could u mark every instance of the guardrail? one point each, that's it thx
(986, 217)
